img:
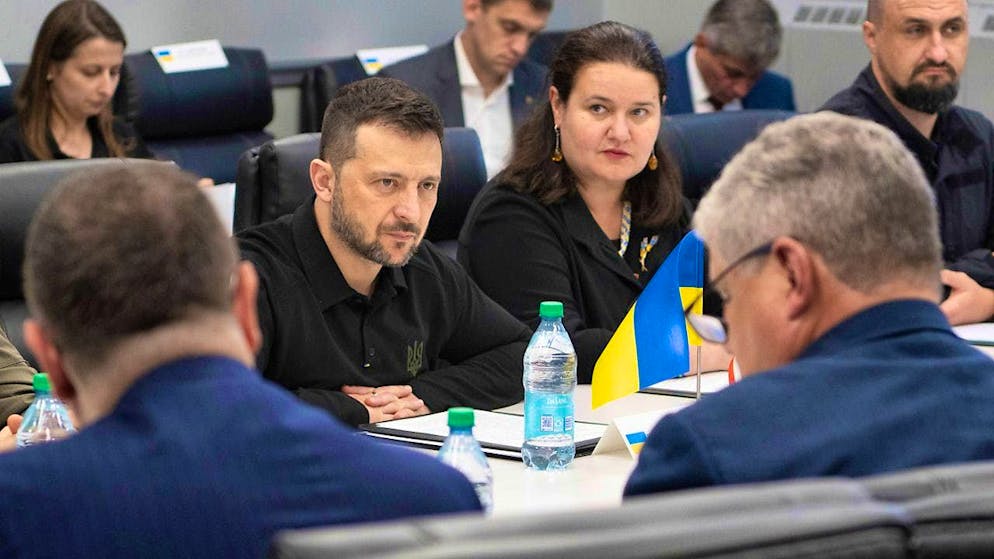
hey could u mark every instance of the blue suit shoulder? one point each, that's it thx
(418, 69)
(678, 84)
(771, 91)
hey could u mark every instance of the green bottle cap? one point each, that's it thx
(461, 417)
(550, 309)
(41, 384)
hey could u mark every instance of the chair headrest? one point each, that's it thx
(463, 176)
(319, 84)
(235, 98)
(24, 187)
(544, 47)
(273, 179)
(7, 92)
(702, 144)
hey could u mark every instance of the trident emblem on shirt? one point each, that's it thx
(415, 358)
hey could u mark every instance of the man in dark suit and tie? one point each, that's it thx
(481, 79)
(725, 67)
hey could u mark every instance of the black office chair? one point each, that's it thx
(24, 187)
(806, 518)
(544, 46)
(931, 481)
(954, 525)
(320, 83)
(273, 179)
(203, 120)
(702, 144)
(7, 91)
(951, 507)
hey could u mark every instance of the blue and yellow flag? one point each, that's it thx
(651, 343)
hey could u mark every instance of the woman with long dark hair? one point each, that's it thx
(64, 99)
(590, 204)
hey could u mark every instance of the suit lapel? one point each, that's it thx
(448, 92)
(678, 84)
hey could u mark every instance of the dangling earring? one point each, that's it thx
(557, 154)
(653, 162)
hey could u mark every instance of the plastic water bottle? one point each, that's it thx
(46, 419)
(550, 380)
(462, 451)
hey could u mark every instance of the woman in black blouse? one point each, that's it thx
(590, 204)
(64, 99)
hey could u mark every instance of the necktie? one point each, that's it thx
(715, 103)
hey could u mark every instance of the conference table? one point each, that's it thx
(591, 482)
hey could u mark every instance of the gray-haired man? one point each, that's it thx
(824, 245)
(725, 68)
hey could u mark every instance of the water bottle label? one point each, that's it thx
(548, 414)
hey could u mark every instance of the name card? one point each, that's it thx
(190, 57)
(631, 431)
(373, 60)
(4, 76)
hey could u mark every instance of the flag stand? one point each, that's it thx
(699, 372)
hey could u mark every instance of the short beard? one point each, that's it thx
(923, 98)
(350, 232)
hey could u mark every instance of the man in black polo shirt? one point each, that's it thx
(358, 315)
(918, 52)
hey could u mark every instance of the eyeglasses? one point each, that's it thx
(713, 328)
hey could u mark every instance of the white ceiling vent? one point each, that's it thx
(823, 14)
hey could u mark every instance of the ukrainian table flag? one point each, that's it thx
(650, 345)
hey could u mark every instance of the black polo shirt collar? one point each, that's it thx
(325, 278)
(925, 149)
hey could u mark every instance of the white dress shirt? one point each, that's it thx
(489, 115)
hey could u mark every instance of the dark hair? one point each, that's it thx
(874, 11)
(384, 101)
(67, 26)
(537, 5)
(121, 250)
(656, 196)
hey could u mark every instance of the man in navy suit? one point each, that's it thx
(725, 66)
(824, 243)
(146, 323)
(481, 79)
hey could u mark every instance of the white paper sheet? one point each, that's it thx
(189, 57)
(373, 60)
